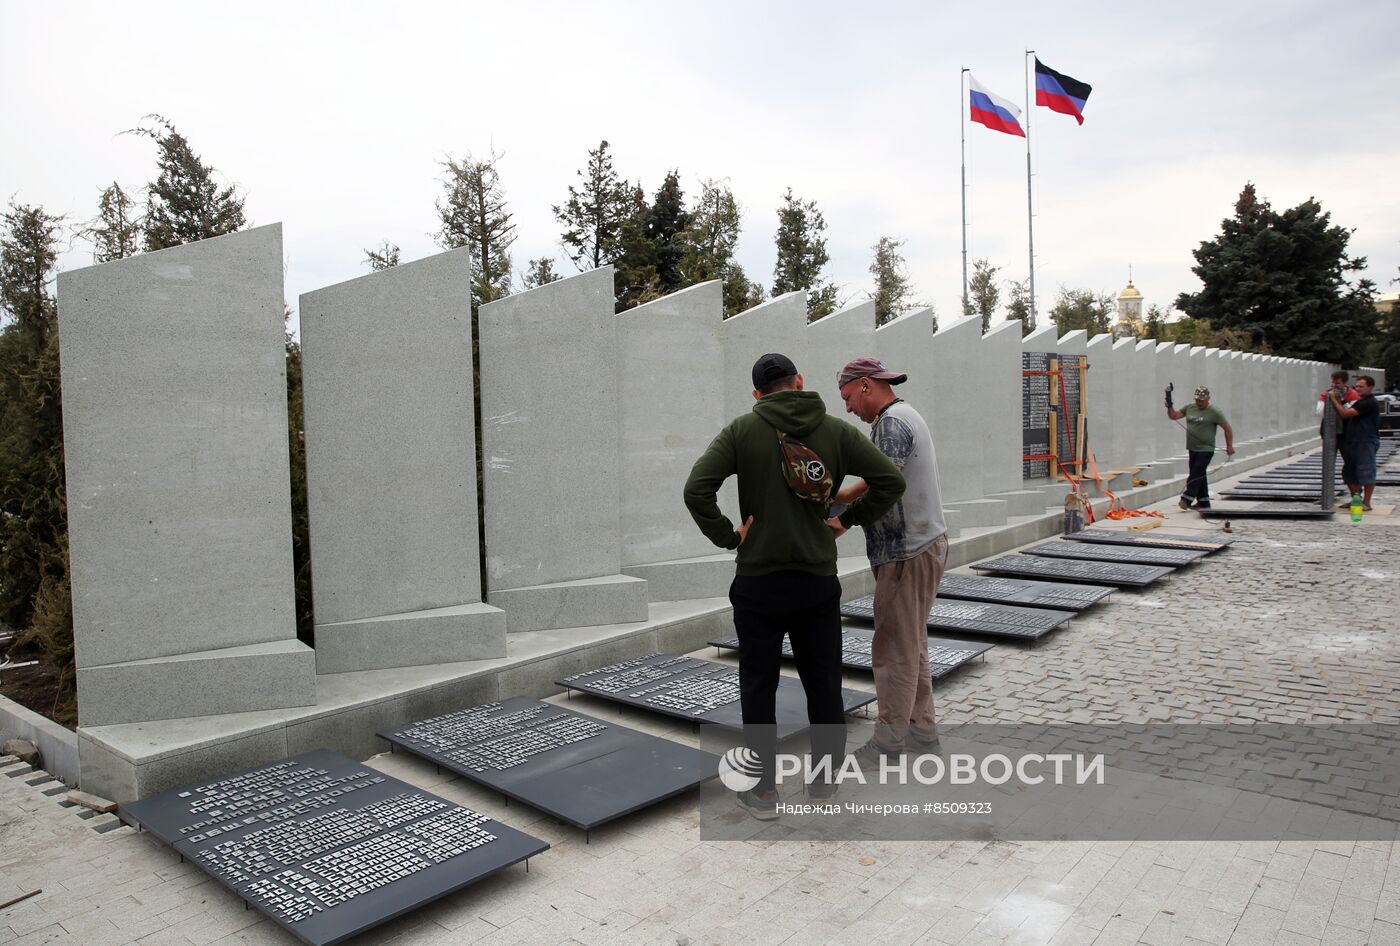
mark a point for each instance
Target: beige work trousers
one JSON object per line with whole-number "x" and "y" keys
{"x": 904, "y": 593}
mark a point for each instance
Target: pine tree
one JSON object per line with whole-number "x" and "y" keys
{"x": 1284, "y": 279}
{"x": 666, "y": 223}
{"x": 1018, "y": 306}
{"x": 116, "y": 231}
{"x": 802, "y": 255}
{"x": 34, "y": 593}
{"x": 635, "y": 277}
{"x": 983, "y": 294}
{"x": 739, "y": 292}
{"x": 595, "y": 212}
{"x": 892, "y": 286}
{"x": 383, "y": 256}
{"x": 184, "y": 204}
{"x": 539, "y": 272}
{"x": 473, "y": 214}
{"x": 710, "y": 241}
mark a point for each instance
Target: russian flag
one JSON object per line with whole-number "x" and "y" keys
{"x": 994, "y": 111}
{"x": 1059, "y": 93}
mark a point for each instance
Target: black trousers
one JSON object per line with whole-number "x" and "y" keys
{"x": 1196, "y": 486}
{"x": 806, "y": 608}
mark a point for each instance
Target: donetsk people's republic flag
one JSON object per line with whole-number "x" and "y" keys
{"x": 1059, "y": 93}
{"x": 994, "y": 111}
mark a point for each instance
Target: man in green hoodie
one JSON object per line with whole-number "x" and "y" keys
{"x": 785, "y": 570}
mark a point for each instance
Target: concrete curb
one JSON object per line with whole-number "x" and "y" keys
{"x": 57, "y": 745}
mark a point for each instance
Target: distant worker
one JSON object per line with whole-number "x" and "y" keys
{"x": 908, "y": 551}
{"x": 1202, "y": 419}
{"x": 1361, "y": 440}
{"x": 787, "y": 453}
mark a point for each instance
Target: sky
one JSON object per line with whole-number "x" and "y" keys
{"x": 334, "y": 118}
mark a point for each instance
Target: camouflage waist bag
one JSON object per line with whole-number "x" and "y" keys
{"x": 804, "y": 471}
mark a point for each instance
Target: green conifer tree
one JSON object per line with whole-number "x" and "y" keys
{"x": 595, "y": 212}
{"x": 183, "y": 204}
{"x": 473, "y": 214}
{"x": 116, "y": 231}
{"x": 802, "y": 255}
{"x": 892, "y": 285}
{"x": 34, "y": 595}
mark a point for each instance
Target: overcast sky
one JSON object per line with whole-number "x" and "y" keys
{"x": 332, "y": 118}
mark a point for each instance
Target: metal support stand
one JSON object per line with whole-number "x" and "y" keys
{"x": 1329, "y": 454}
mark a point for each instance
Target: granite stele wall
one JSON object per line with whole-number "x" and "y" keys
{"x": 669, "y": 407}
{"x": 391, "y": 470}
{"x": 188, "y": 665}
{"x": 551, "y": 459}
{"x": 179, "y": 513}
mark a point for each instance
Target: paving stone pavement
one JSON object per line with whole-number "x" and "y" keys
{"x": 1295, "y": 623}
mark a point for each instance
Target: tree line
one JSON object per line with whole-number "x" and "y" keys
{"x": 657, "y": 244}
{"x": 1280, "y": 282}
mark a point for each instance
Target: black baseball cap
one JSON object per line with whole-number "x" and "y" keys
{"x": 772, "y": 367}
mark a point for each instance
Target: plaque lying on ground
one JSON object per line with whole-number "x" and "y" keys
{"x": 1112, "y": 573}
{"x": 1266, "y": 512}
{"x": 1137, "y": 555}
{"x": 1035, "y": 594}
{"x": 944, "y": 656}
{"x": 1211, "y": 542}
{"x": 700, "y": 691}
{"x": 576, "y": 768}
{"x": 328, "y": 848}
{"x": 999, "y": 620}
{"x": 1276, "y": 495}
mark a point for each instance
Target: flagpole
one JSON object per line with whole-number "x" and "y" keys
{"x": 962, "y": 127}
{"x": 1030, "y": 209}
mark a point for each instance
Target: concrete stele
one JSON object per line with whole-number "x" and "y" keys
{"x": 775, "y": 326}
{"x": 1104, "y": 382}
{"x": 551, "y": 459}
{"x": 670, "y": 406}
{"x": 958, "y": 386}
{"x": 179, "y": 513}
{"x": 1148, "y": 410}
{"x": 391, "y": 470}
{"x": 830, "y": 343}
{"x": 906, "y": 344}
{"x": 1170, "y": 439}
{"x": 1235, "y": 391}
{"x": 1000, "y": 408}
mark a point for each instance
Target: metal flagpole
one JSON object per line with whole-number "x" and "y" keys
{"x": 962, "y": 127}
{"x": 1030, "y": 210}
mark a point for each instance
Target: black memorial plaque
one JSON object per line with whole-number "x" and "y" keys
{"x": 327, "y": 848}
{"x": 1153, "y": 540}
{"x": 1271, "y": 511}
{"x": 576, "y": 768}
{"x": 1035, "y": 413}
{"x": 1067, "y": 432}
{"x": 1089, "y": 551}
{"x": 1114, "y": 573}
{"x": 1276, "y": 495}
{"x": 1035, "y": 594}
{"x": 975, "y": 617}
{"x": 701, "y": 691}
{"x": 944, "y": 656}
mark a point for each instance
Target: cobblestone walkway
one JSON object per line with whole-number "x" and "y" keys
{"x": 1296, "y": 623}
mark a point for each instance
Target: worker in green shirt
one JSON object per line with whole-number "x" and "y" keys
{"x": 1202, "y": 419}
